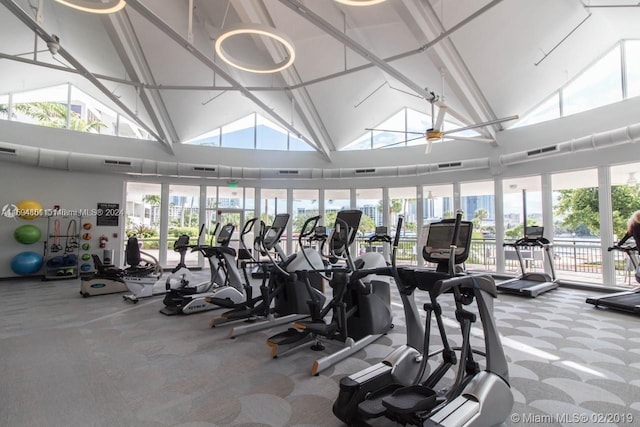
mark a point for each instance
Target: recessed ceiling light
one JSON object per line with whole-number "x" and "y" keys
{"x": 95, "y": 6}
{"x": 259, "y": 30}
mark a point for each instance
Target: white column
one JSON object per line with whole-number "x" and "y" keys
{"x": 164, "y": 223}
{"x": 498, "y": 190}
{"x": 606, "y": 224}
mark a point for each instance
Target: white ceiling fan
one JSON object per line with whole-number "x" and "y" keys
{"x": 435, "y": 132}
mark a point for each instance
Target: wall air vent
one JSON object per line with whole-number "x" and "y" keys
{"x": 4, "y": 150}
{"x": 288, "y": 172}
{"x": 117, "y": 163}
{"x": 449, "y": 165}
{"x": 543, "y": 150}
{"x": 364, "y": 171}
{"x": 203, "y": 169}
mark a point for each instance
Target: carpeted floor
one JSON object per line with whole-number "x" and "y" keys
{"x": 70, "y": 361}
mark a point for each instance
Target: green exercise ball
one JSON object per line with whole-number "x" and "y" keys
{"x": 27, "y": 234}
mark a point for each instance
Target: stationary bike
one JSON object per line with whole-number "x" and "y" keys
{"x": 225, "y": 283}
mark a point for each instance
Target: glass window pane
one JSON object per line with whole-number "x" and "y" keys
{"x": 369, "y": 201}
{"x": 143, "y": 217}
{"x": 305, "y": 206}
{"x": 599, "y": 85}
{"x": 391, "y": 133}
{"x": 91, "y": 115}
{"x": 239, "y": 134}
{"x": 520, "y": 194}
{"x": 250, "y": 201}
{"x": 438, "y": 202}
{"x": 477, "y": 201}
{"x": 576, "y": 240}
{"x": 632, "y": 58}
{"x": 44, "y": 107}
{"x": 274, "y": 201}
{"x": 297, "y": 144}
{"x": 334, "y": 202}
{"x": 362, "y": 143}
{"x": 184, "y": 218}
{"x": 625, "y": 200}
{"x": 402, "y": 201}
{"x": 4, "y": 107}
{"x": 209, "y": 139}
{"x": 548, "y": 110}
{"x": 230, "y": 197}
{"x": 130, "y": 129}
{"x": 417, "y": 122}
{"x": 270, "y": 136}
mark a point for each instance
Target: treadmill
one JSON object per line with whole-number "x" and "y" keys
{"x": 628, "y": 301}
{"x": 531, "y": 284}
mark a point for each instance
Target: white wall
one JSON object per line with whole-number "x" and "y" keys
{"x": 50, "y": 187}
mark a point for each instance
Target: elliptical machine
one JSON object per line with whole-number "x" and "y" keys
{"x": 283, "y": 294}
{"x": 400, "y": 387}
{"x": 360, "y": 307}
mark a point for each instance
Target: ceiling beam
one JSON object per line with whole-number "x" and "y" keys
{"x": 180, "y": 40}
{"x": 127, "y": 45}
{"x": 301, "y": 101}
{"x": 339, "y": 35}
{"x": 426, "y": 21}
{"x": 49, "y": 38}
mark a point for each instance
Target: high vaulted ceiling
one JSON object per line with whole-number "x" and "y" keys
{"x": 355, "y": 66}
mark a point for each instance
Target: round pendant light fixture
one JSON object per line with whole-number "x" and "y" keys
{"x": 257, "y": 30}
{"x": 360, "y": 2}
{"x": 95, "y": 6}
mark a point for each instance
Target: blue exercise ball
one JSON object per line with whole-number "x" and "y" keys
{"x": 26, "y": 263}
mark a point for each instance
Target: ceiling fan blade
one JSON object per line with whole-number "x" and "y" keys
{"x": 470, "y": 138}
{"x": 389, "y": 145}
{"x": 483, "y": 124}
{"x": 429, "y": 146}
{"x": 440, "y": 118}
{"x": 416, "y": 138}
{"x": 393, "y": 131}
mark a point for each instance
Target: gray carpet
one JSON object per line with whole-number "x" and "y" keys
{"x": 72, "y": 361}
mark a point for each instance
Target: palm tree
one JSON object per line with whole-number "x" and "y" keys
{"x": 54, "y": 114}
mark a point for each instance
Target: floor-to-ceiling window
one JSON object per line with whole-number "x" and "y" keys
{"x": 143, "y": 201}
{"x": 305, "y": 206}
{"x": 625, "y": 200}
{"x": 576, "y": 239}
{"x": 403, "y": 201}
{"x": 521, "y": 196}
{"x": 334, "y": 202}
{"x": 477, "y": 203}
{"x": 184, "y": 218}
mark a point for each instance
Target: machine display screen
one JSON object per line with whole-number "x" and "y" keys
{"x": 533, "y": 232}
{"x": 274, "y": 232}
{"x": 438, "y": 238}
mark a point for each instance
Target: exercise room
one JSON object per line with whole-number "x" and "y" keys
{"x": 319, "y": 213}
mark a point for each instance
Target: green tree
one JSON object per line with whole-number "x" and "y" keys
{"x": 367, "y": 224}
{"x": 395, "y": 207}
{"x": 580, "y": 209}
{"x": 518, "y": 231}
{"x": 479, "y": 216}
{"x": 54, "y": 114}
{"x": 299, "y": 220}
